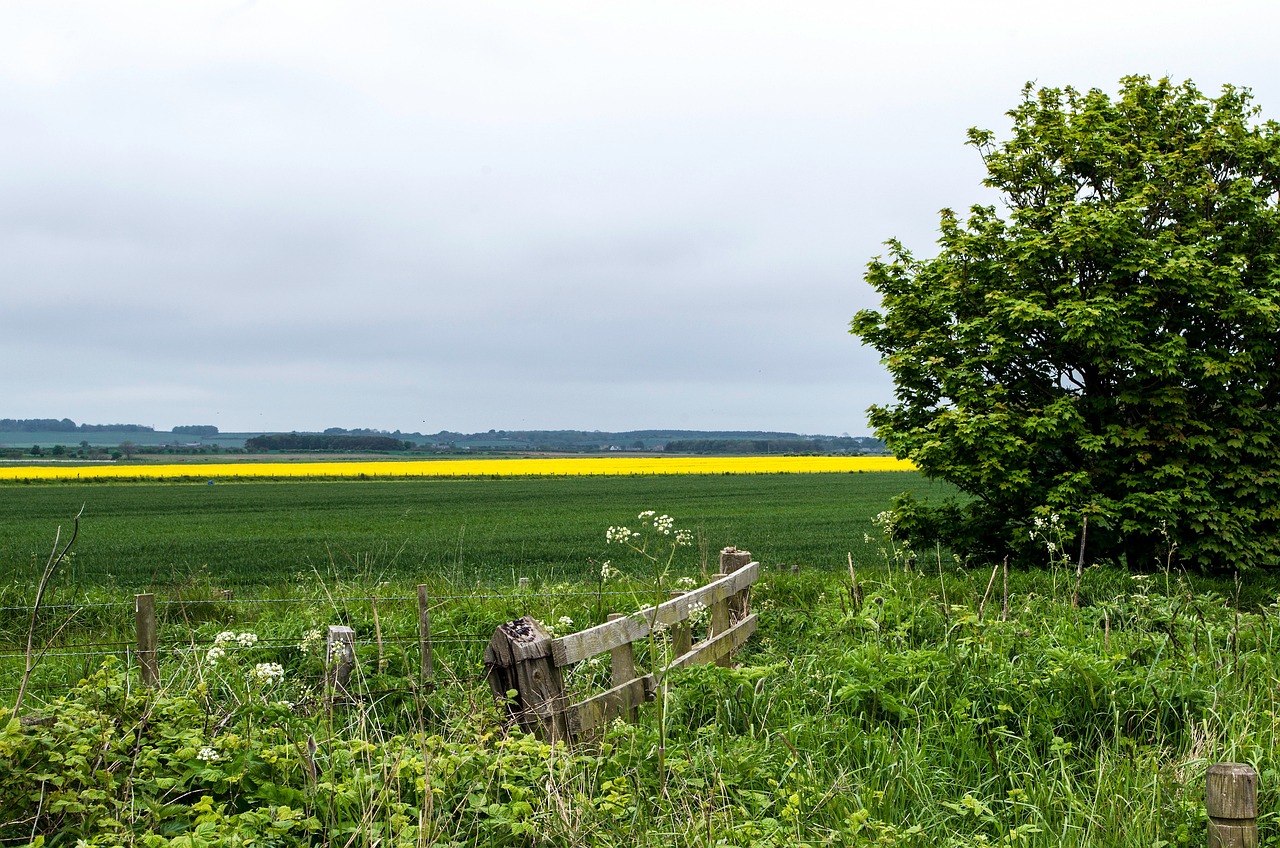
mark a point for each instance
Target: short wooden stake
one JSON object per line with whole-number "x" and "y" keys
{"x": 1231, "y": 800}
{"x": 622, "y": 661}
{"x": 340, "y": 648}
{"x": 424, "y": 636}
{"x": 148, "y": 639}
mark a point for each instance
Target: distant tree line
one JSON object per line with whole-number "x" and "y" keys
{"x": 841, "y": 444}
{"x": 322, "y": 442}
{"x": 65, "y": 425}
{"x": 196, "y": 430}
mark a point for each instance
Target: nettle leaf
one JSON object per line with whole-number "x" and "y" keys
{"x": 1105, "y": 342}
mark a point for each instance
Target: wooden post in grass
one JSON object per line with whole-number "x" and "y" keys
{"x": 148, "y": 639}
{"x": 732, "y": 559}
{"x": 622, "y": 662}
{"x": 518, "y": 660}
{"x": 681, "y": 634}
{"x": 1231, "y": 800}
{"x": 340, "y": 649}
{"x": 424, "y": 636}
{"x": 734, "y": 608}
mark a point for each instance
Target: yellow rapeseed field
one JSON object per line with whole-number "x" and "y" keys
{"x": 564, "y": 466}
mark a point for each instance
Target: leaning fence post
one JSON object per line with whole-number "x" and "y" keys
{"x": 148, "y": 638}
{"x": 340, "y": 650}
{"x": 424, "y": 635}
{"x": 1231, "y": 800}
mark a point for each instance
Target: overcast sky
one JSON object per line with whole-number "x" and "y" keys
{"x": 425, "y": 216}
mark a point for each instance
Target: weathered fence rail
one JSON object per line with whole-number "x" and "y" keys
{"x": 523, "y": 661}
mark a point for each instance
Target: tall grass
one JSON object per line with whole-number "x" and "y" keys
{"x": 882, "y": 720}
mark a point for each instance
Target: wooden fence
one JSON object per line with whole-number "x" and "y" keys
{"x": 523, "y": 661}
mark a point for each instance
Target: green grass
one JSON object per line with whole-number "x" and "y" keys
{"x": 891, "y": 721}
{"x": 255, "y": 533}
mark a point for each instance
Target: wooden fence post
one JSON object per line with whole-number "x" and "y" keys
{"x": 681, "y": 635}
{"x": 148, "y": 639}
{"x": 734, "y": 608}
{"x": 518, "y": 660}
{"x": 424, "y": 636}
{"x": 622, "y": 662}
{"x": 1231, "y": 799}
{"x": 340, "y": 649}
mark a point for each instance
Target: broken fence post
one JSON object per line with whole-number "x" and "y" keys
{"x": 518, "y": 660}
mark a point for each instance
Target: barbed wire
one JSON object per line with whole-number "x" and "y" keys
{"x": 515, "y": 595}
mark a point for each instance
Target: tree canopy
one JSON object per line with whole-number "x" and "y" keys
{"x": 1104, "y": 343}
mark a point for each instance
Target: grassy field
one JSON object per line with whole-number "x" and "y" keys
{"x": 249, "y": 533}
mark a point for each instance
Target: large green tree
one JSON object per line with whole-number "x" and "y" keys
{"x": 1103, "y": 342}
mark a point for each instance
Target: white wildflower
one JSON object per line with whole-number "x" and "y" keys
{"x": 207, "y": 754}
{"x": 607, "y": 570}
{"x": 310, "y": 641}
{"x": 620, "y": 535}
{"x": 684, "y": 538}
{"x": 268, "y": 673}
{"x": 686, "y": 583}
{"x": 564, "y": 621}
{"x": 226, "y": 637}
{"x": 697, "y": 612}
{"x": 648, "y": 513}
{"x": 216, "y": 653}
{"x": 246, "y": 639}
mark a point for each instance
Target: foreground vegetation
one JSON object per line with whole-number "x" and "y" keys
{"x": 883, "y": 715}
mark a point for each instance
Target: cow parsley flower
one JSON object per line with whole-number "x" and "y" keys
{"x": 619, "y": 535}
{"x": 310, "y": 643}
{"x": 207, "y": 754}
{"x": 268, "y": 673}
